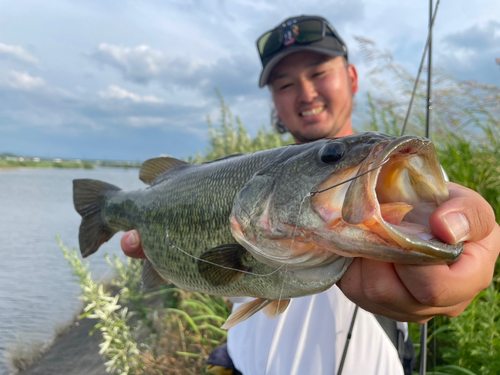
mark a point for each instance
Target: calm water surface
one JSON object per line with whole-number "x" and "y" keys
{"x": 37, "y": 291}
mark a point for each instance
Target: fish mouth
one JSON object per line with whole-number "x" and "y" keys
{"x": 396, "y": 190}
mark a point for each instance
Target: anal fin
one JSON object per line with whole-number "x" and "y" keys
{"x": 150, "y": 277}
{"x": 271, "y": 308}
{"x": 245, "y": 311}
{"x": 276, "y": 308}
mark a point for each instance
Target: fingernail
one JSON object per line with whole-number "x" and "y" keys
{"x": 132, "y": 239}
{"x": 458, "y": 225}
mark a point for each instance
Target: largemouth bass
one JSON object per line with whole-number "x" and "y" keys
{"x": 276, "y": 224}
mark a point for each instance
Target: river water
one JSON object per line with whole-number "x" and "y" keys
{"x": 37, "y": 291}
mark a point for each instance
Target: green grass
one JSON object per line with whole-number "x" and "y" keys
{"x": 180, "y": 329}
{"x": 118, "y": 344}
{"x": 177, "y": 330}
{"x": 43, "y": 164}
{"x": 465, "y": 129}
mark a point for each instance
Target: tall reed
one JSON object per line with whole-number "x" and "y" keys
{"x": 181, "y": 330}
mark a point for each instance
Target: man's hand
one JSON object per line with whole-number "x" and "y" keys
{"x": 131, "y": 245}
{"x": 417, "y": 293}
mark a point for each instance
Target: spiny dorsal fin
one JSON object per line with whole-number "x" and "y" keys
{"x": 245, "y": 311}
{"x": 152, "y": 168}
{"x": 221, "y": 265}
{"x": 150, "y": 277}
{"x": 223, "y": 158}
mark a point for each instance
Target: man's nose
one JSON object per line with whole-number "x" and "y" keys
{"x": 307, "y": 91}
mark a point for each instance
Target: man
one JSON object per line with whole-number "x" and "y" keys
{"x": 305, "y": 65}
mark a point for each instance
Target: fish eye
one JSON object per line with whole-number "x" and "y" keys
{"x": 332, "y": 152}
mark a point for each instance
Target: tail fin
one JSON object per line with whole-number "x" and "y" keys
{"x": 88, "y": 197}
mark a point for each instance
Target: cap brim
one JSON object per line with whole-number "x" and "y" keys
{"x": 266, "y": 72}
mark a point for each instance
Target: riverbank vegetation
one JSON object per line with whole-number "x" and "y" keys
{"x": 171, "y": 331}
{"x": 20, "y": 162}
{"x": 8, "y": 160}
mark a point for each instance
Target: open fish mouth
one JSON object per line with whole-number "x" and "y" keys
{"x": 388, "y": 209}
{"x": 367, "y": 195}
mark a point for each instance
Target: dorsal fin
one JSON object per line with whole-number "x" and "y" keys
{"x": 152, "y": 168}
{"x": 224, "y": 158}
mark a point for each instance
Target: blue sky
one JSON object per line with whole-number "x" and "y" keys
{"x": 131, "y": 80}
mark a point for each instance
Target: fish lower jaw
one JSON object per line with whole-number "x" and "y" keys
{"x": 412, "y": 243}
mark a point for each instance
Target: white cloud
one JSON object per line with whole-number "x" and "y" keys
{"x": 139, "y": 63}
{"x": 116, "y": 92}
{"x": 22, "y": 81}
{"x": 142, "y": 64}
{"x": 17, "y": 52}
{"x": 146, "y": 121}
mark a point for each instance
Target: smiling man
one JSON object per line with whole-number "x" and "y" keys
{"x": 313, "y": 95}
{"x": 305, "y": 65}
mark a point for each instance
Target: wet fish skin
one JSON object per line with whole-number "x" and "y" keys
{"x": 243, "y": 212}
{"x": 192, "y": 204}
{"x": 366, "y": 217}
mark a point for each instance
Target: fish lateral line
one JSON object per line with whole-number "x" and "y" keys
{"x": 313, "y": 193}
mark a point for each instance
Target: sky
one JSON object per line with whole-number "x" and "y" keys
{"x": 124, "y": 80}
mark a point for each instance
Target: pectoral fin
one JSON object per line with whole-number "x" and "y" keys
{"x": 223, "y": 264}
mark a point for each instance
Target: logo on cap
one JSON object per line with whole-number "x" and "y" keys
{"x": 290, "y": 34}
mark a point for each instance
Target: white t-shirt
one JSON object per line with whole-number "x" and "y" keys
{"x": 309, "y": 338}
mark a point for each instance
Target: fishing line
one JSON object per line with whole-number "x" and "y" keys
{"x": 276, "y": 320}
{"x": 313, "y": 193}
{"x": 290, "y": 251}
{"x": 283, "y": 284}
{"x": 423, "y": 327}
{"x": 218, "y": 265}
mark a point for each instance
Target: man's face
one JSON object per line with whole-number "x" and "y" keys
{"x": 313, "y": 94}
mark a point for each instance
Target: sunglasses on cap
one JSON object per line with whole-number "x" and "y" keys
{"x": 304, "y": 30}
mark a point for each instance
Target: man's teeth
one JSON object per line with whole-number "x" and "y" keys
{"x": 312, "y": 112}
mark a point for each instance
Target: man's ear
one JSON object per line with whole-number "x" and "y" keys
{"x": 352, "y": 73}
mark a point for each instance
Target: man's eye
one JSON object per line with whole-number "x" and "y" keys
{"x": 317, "y": 74}
{"x": 285, "y": 86}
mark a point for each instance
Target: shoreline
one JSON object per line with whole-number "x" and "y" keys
{"x": 73, "y": 352}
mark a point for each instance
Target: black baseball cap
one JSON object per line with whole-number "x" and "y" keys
{"x": 301, "y": 33}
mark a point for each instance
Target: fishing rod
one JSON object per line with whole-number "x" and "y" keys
{"x": 428, "y": 46}
{"x": 424, "y": 327}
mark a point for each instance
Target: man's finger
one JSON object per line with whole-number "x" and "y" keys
{"x": 131, "y": 245}
{"x": 466, "y": 216}
{"x": 375, "y": 287}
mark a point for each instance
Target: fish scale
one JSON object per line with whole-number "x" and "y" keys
{"x": 196, "y": 222}
{"x": 247, "y": 225}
